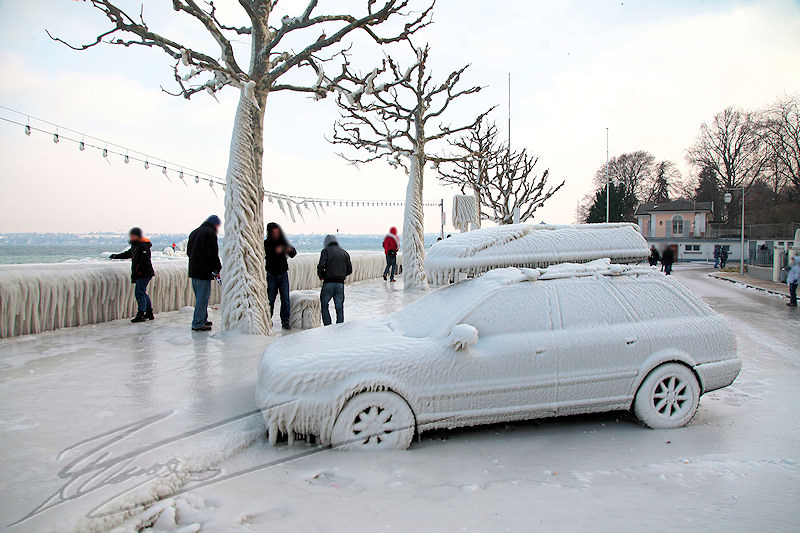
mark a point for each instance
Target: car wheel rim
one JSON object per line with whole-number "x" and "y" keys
{"x": 374, "y": 426}
{"x": 672, "y": 397}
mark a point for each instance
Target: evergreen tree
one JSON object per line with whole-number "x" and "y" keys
{"x": 622, "y": 204}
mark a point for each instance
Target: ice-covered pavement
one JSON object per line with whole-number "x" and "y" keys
{"x": 734, "y": 468}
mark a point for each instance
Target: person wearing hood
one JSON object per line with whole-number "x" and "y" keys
{"x": 793, "y": 278}
{"x": 276, "y": 250}
{"x": 654, "y": 255}
{"x": 390, "y": 246}
{"x": 333, "y": 268}
{"x": 204, "y": 266}
{"x": 141, "y": 272}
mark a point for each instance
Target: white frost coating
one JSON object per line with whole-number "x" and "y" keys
{"x": 465, "y": 211}
{"x": 566, "y": 339}
{"x": 413, "y": 245}
{"x": 244, "y": 280}
{"x": 305, "y": 310}
{"x": 36, "y": 298}
{"x": 463, "y": 336}
{"x": 526, "y": 245}
{"x": 249, "y": 92}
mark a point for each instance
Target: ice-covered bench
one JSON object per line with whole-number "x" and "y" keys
{"x": 305, "y": 309}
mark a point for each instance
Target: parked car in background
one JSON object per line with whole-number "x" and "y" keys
{"x": 513, "y": 344}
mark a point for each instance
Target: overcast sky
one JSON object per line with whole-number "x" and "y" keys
{"x": 650, "y": 71}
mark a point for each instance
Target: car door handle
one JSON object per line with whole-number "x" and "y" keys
{"x": 630, "y": 340}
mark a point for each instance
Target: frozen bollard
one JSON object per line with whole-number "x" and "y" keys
{"x": 306, "y": 311}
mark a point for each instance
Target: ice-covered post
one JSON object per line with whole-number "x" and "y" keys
{"x": 400, "y": 120}
{"x": 304, "y": 44}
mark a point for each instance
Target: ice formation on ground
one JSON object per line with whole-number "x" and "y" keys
{"x": 305, "y": 310}
{"x": 526, "y": 245}
{"x": 570, "y": 338}
{"x": 43, "y": 297}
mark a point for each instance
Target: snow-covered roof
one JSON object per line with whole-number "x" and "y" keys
{"x": 532, "y": 246}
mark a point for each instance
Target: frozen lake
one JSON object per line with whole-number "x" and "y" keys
{"x": 67, "y": 397}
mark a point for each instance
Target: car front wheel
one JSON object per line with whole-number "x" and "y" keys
{"x": 668, "y": 397}
{"x": 374, "y": 421}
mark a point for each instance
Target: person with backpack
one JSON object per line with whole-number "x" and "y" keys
{"x": 333, "y": 268}
{"x": 141, "y": 272}
{"x": 204, "y": 266}
{"x": 391, "y": 244}
{"x": 276, "y": 250}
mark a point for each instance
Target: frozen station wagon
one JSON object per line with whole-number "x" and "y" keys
{"x": 513, "y": 344}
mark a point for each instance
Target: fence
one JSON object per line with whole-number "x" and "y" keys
{"x": 716, "y": 230}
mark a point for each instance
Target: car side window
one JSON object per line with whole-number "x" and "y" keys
{"x": 587, "y": 302}
{"x": 651, "y": 300}
{"x": 512, "y": 310}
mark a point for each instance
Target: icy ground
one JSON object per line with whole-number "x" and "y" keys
{"x": 734, "y": 468}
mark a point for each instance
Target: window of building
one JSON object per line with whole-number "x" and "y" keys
{"x": 692, "y": 248}
{"x": 677, "y": 225}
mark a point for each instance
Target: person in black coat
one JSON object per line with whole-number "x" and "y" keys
{"x": 204, "y": 266}
{"x": 334, "y": 266}
{"x": 667, "y": 259}
{"x": 141, "y": 272}
{"x": 276, "y": 251}
{"x": 654, "y": 256}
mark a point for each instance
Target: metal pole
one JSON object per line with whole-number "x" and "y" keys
{"x": 608, "y": 187}
{"x": 741, "y": 260}
{"x": 509, "y": 113}
{"x": 441, "y": 204}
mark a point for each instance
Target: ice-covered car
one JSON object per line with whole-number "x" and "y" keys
{"x": 513, "y": 344}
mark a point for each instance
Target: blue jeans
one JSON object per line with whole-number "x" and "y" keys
{"x": 335, "y": 291}
{"x": 140, "y": 292}
{"x": 279, "y": 283}
{"x": 391, "y": 261}
{"x": 202, "y": 292}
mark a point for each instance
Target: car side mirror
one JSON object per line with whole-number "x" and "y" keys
{"x": 462, "y": 336}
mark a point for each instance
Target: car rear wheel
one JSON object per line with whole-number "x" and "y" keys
{"x": 374, "y": 421}
{"x": 668, "y": 397}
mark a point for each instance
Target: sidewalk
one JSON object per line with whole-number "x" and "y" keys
{"x": 780, "y": 289}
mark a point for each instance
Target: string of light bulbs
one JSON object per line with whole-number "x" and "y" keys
{"x": 107, "y": 149}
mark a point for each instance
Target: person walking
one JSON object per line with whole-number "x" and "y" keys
{"x": 334, "y": 266}
{"x": 390, "y": 246}
{"x": 667, "y": 259}
{"x": 793, "y": 278}
{"x": 723, "y": 257}
{"x": 716, "y": 255}
{"x": 276, "y": 250}
{"x": 204, "y": 266}
{"x": 654, "y": 255}
{"x": 141, "y": 272}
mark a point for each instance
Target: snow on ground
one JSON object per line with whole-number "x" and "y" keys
{"x": 734, "y": 467}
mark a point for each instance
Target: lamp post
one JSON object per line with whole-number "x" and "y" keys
{"x": 728, "y": 198}
{"x": 608, "y": 187}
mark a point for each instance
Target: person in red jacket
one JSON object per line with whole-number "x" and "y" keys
{"x": 391, "y": 243}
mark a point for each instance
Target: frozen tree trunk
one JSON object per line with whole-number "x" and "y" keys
{"x": 244, "y": 283}
{"x": 414, "y": 229}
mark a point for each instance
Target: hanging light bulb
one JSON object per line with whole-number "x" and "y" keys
{"x": 55, "y": 138}
{"x": 211, "y": 184}
{"x": 127, "y": 159}
{"x": 180, "y": 174}
{"x": 164, "y": 170}
{"x": 27, "y": 130}
{"x": 105, "y": 152}
{"x": 197, "y": 179}
{"x": 81, "y": 146}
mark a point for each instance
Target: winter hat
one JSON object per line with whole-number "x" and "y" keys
{"x": 214, "y": 220}
{"x": 137, "y": 232}
{"x": 393, "y": 230}
{"x": 330, "y": 239}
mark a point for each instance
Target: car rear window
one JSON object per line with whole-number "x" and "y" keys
{"x": 651, "y": 299}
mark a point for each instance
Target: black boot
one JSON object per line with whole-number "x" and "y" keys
{"x": 149, "y": 314}
{"x": 139, "y": 317}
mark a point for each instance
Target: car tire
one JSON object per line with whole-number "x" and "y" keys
{"x": 374, "y": 421}
{"x": 668, "y": 397}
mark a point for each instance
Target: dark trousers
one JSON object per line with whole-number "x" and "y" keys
{"x": 793, "y": 294}
{"x": 279, "y": 283}
{"x": 668, "y": 269}
{"x": 336, "y": 291}
{"x": 391, "y": 262}
{"x": 202, "y": 292}
{"x": 140, "y": 292}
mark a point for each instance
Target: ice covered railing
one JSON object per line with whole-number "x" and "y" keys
{"x": 532, "y": 246}
{"x": 43, "y": 297}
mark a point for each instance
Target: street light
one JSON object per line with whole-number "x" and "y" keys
{"x": 728, "y": 198}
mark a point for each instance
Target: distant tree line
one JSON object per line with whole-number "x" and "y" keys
{"x": 755, "y": 151}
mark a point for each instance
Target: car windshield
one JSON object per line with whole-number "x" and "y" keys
{"x": 437, "y": 312}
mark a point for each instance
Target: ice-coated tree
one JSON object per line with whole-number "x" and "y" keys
{"x": 502, "y": 179}
{"x": 303, "y": 45}
{"x": 401, "y": 121}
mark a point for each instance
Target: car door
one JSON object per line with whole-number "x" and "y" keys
{"x": 510, "y": 373}
{"x": 598, "y": 345}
